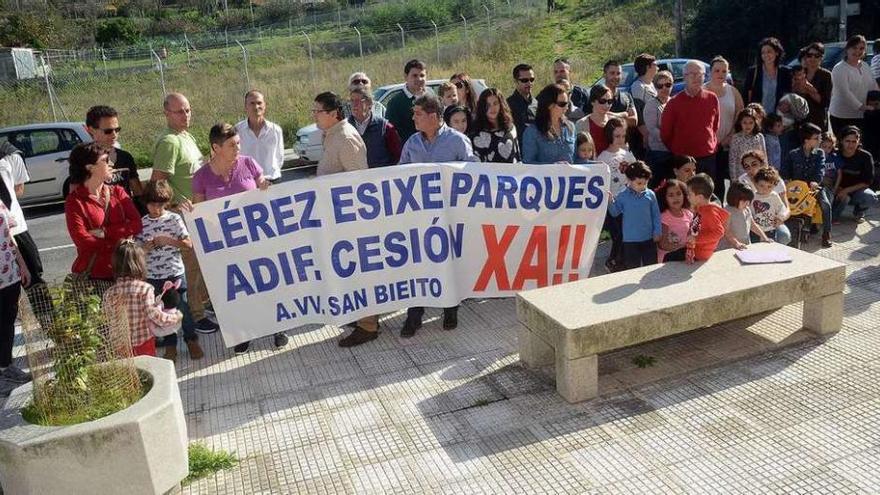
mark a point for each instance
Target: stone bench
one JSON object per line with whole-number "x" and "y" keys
{"x": 571, "y": 324}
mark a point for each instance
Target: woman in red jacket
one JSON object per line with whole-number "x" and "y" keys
{"x": 98, "y": 215}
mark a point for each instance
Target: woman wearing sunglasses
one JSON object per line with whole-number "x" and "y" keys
{"x": 814, "y": 84}
{"x": 599, "y": 104}
{"x": 465, "y": 89}
{"x": 551, "y": 139}
{"x": 658, "y": 156}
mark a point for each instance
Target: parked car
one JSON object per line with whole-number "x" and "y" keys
{"x": 675, "y": 65}
{"x": 45, "y": 148}
{"x": 834, "y": 53}
{"x": 309, "y": 139}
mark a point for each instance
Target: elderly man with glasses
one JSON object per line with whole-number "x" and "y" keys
{"x": 361, "y": 80}
{"x": 690, "y": 121}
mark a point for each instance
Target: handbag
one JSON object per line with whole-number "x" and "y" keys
{"x": 74, "y": 278}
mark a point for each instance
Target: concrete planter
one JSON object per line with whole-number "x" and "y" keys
{"x": 139, "y": 450}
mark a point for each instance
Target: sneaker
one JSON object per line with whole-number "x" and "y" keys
{"x": 206, "y": 326}
{"x": 195, "y": 350}
{"x": 171, "y": 353}
{"x": 15, "y": 375}
{"x": 450, "y": 318}
{"x": 860, "y": 219}
{"x": 410, "y": 326}
{"x": 826, "y": 240}
{"x": 280, "y": 340}
{"x": 242, "y": 348}
{"x": 357, "y": 337}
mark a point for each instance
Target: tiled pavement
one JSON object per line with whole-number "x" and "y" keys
{"x": 751, "y": 406}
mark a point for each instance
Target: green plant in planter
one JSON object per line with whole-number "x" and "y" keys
{"x": 83, "y": 380}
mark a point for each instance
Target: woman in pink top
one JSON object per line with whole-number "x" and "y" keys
{"x": 675, "y": 219}
{"x": 228, "y": 171}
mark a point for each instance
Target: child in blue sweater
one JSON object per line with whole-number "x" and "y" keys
{"x": 641, "y": 217}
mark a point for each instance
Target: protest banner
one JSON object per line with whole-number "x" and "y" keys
{"x": 340, "y": 247}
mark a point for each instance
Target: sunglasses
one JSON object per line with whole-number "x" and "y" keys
{"x": 117, "y": 130}
{"x": 459, "y": 84}
{"x": 604, "y": 101}
{"x": 562, "y": 104}
{"x": 663, "y": 86}
{"x": 525, "y": 80}
{"x": 360, "y": 81}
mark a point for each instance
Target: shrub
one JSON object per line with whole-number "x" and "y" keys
{"x": 118, "y": 31}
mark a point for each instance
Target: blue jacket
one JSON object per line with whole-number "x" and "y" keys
{"x": 799, "y": 166}
{"x": 641, "y": 214}
{"x": 538, "y": 149}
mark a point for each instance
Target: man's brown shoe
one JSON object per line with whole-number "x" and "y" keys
{"x": 195, "y": 350}
{"x": 357, "y": 337}
{"x": 171, "y": 353}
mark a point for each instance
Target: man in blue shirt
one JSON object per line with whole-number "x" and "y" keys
{"x": 433, "y": 142}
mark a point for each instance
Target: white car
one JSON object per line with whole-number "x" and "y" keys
{"x": 309, "y": 139}
{"x": 45, "y": 148}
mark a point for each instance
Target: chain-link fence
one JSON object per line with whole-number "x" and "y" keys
{"x": 289, "y": 66}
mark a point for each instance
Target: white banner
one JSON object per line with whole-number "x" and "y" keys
{"x": 341, "y": 247}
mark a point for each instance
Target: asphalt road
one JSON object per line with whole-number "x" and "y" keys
{"x": 47, "y": 227}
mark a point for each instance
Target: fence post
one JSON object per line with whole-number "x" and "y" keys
{"x": 104, "y": 61}
{"x": 247, "y": 76}
{"x": 311, "y": 60}
{"x": 402, "y": 42}
{"x": 338, "y": 17}
{"x": 226, "y": 40}
{"x": 360, "y": 48}
{"x": 467, "y": 38}
{"x": 488, "y": 16}
{"x": 290, "y": 27}
{"x": 161, "y": 72}
{"x": 436, "y": 40}
{"x": 49, "y": 89}
{"x": 186, "y": 43}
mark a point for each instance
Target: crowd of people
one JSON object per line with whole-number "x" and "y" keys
{"x": 690, "y": 173}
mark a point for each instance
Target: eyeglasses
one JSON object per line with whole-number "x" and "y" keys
{"x": 459, "y": 84}
{"x": 525, "y": 80}
{"x": 812, "y": 55}
{"x": 562, "y": 104}
{"x": 605, "y": 101}
{"x": 117, "y": 130}
{"x": 360, "y": 81}
{"x": 663, "y": 86}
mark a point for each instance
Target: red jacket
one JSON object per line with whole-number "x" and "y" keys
{"x": 708, "y": 227}
{"x": 85, "y": 213}
{"x": 689, "y": 124}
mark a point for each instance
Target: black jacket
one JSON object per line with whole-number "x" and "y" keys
{"x": 754, "y": 86}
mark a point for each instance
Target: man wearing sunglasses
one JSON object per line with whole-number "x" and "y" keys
{"x": 522, "y": 104}
{"x": 102, "y": 123}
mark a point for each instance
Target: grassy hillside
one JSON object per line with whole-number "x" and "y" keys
{"x": 588, "y": 34}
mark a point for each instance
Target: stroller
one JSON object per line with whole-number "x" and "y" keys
{"x": 805, "y": 211}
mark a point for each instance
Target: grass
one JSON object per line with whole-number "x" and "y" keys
{"x": 204, "y": 461}
{"x": 643, "y": 361}
{"x": 587, "y": 34}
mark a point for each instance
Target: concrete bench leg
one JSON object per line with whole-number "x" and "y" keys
{"x": 577, "y": 379}
{"x": 824, "y": 315}
{"x": 533, "y": 352}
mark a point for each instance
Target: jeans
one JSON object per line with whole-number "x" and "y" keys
{"x": 861, "y": 201}
{"x": 614, "y": 226}
{"x": 824, "y": 198}
{"x": 636, "y": 254}
{"x": 781, "y": 235}
{"x": 709, "y": 165}
{"x": 8, "y": 313}
{"x": 189, "y": 326}
{"x": 659, "y": 162}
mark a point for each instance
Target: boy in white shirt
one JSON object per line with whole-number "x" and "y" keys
{"x": 768, "y": 209}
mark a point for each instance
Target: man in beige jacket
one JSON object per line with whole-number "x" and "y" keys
{"x": 344, "y": 151}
